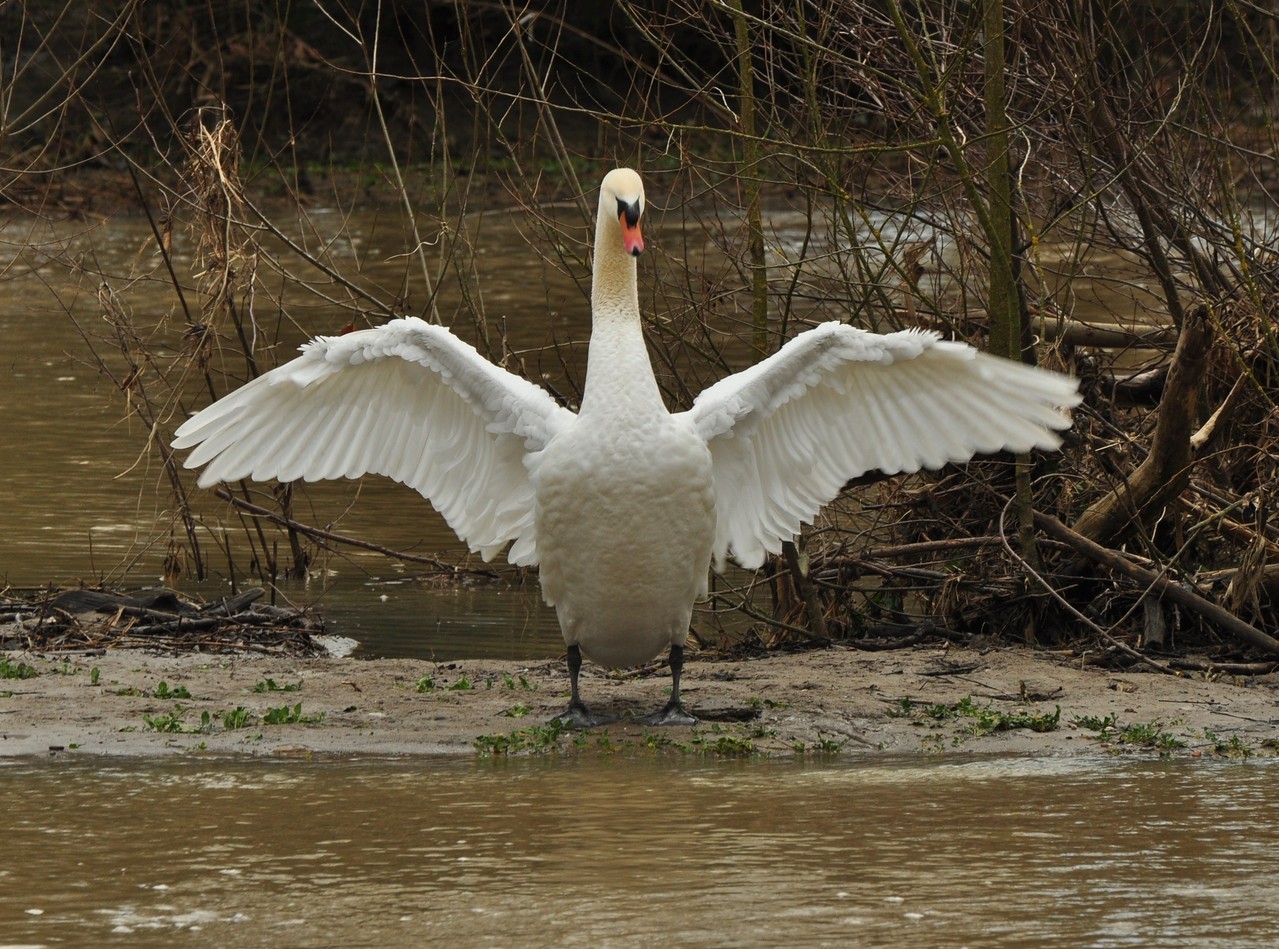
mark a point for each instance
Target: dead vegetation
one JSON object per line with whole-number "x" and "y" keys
{"x": 92, "y": 620}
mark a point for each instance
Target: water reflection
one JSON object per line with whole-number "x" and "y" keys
{"x": 614, "y": 852}
{"x": 407, "y": 619}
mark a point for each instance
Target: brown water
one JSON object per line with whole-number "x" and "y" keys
{"x": 82, "y": 501}
{"x": 600, "y": 852}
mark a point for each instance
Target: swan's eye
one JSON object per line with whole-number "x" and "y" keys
{"x": 630, "y": 210}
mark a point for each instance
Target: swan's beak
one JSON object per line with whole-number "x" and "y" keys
{"x": 628, "y": 215}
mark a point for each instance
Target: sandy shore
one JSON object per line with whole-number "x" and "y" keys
{"x": 927, "y": 700}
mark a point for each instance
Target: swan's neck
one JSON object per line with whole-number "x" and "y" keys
{"x": 619, "y": 377}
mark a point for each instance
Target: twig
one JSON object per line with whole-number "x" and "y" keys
{"x": 319, "y": 534}
{"x": 745, "y": 607}
{"x": 1165, "y": 471}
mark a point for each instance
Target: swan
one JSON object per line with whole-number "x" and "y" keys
{"x": 624, "y": 505}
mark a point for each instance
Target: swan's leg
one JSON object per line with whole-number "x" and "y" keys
{"x": 673, "y": 713}
{"x": 577, "y": 715}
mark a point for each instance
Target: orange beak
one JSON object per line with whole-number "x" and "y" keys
{"x": 632, "y": 239}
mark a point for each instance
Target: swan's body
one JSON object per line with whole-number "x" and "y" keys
{"x": 624, "y": 504}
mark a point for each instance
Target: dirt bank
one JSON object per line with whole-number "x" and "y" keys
{"x": 926, "y": 700}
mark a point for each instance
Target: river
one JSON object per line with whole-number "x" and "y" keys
{"x": 613, "y": 851}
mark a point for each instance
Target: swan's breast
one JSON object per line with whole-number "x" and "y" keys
{"x": 625, "y": 519}
{"x": 632, "y": 481}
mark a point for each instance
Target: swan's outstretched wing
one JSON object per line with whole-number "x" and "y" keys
{"x": 835, "y": 402}
{"x": 408, "y": 400}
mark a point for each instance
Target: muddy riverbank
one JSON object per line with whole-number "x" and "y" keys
{"x": 835, "y": 701}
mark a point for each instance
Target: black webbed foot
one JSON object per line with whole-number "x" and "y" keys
{"x": 673, "y": 713}
{"x": 577, "y": 715}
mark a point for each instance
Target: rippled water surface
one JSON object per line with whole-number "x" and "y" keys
{"x": 600, "y": 852}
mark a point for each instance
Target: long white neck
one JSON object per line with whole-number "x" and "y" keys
{"x": 619, "y": 377}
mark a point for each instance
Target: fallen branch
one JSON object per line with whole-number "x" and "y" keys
{"x": 1115, "y": 644}
{"x": 182, "y": 624}
{"x": 1109, "y": 336}
{"x": 1226, "y": 668}
{"x": 928, "y": 547}
{"x": 1159, "y": 584}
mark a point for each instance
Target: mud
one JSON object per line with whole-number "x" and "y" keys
{"x": 925, "y": 700}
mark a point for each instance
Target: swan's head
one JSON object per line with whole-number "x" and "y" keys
{"x": 622, "y": 198}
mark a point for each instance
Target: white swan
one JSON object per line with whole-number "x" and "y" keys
{"x": 624, "y": 505}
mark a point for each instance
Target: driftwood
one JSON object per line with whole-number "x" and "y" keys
{"x": 1225, "y": 668}
{"x": 1159, "y": 584}
{"x": 1165, "y": 472}
{"x": 1138, "y": 388}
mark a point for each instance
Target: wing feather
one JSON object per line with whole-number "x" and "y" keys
{"x": 835, "y": 402}
{"x": 408, "y": 400}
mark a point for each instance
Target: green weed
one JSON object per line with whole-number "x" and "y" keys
{"x": 823, "y": 746}
{"x": 1235, "y": 747}
{"x": 979, "y": 720}
{"x": 270, "y": 685}
{"x": 759, "y": 704}
{"x": 289, "y": 715}
{"x": 1104, "y": 727}
{"x": 905, "y": 709}
{"x": 1142, "y": 734}
{"x": 163, "y": 691}
{"x": 732, "y": 746}
{"x": 19, "y": 670}
{"x": 725, "y": 744}
{"x": 654, "y": 740}
{"x": 535, "y": 738}
{"x": 989, "y": 720}
{"x": 463, "y": 684}
{"x": 168, "y": 723}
